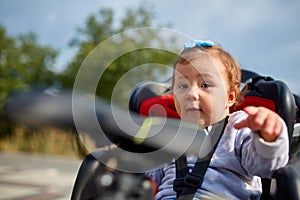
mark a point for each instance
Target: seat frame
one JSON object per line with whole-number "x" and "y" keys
{"x": 278, "y": 97}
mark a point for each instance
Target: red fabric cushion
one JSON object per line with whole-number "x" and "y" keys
{"x": 254, "y": 101}
{"x": 159, "y": 106}
{"x": 163, "y": 106}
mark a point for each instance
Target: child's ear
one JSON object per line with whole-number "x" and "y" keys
{"x": 231, "y": 98}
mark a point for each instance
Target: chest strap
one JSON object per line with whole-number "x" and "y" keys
{"x": 187, "y": 183}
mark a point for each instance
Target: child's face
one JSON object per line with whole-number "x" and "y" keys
{"x": 201, "y": 91}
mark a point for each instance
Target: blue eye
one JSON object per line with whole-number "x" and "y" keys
{"x": 182, "y": 86}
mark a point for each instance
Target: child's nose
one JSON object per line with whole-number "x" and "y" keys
{"x": 193, "y": 93}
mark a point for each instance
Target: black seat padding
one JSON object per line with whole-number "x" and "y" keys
{"x": 280, "y": 94}
{"x": 286, "y": 181}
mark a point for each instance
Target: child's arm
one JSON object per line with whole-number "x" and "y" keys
{"x": 263, "y": 120}
{"x": 267, "y": 151}
{"x": 156, "y": 175}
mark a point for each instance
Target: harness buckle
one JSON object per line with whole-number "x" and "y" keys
{"x": 178, "y": 184}
{"x": 193, "y": 180}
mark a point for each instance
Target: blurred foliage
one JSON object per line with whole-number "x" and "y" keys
{"x": 23, "y": 62}
{"x": 46, "y": 140}
{"x": 100, "y": 27}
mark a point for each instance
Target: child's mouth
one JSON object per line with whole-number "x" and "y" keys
{"x": 194, "y": 110}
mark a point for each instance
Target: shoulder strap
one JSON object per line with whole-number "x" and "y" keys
{"x": 187, "y": 183}
{"x": 181, "y": 171}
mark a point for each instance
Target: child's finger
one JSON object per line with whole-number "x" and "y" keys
{"x": 269, "y": 125}
{"x": 260, "y": 118}
{"x": 242, "y": 124}
{"x": 251, "y": 110}
{"x": 272, "y": 128}
{"x": 255, "y": 120}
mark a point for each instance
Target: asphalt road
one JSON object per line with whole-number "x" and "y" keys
{"x": 36, "y": 177}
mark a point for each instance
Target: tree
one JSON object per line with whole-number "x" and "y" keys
{"x": 101, "y": 26}
{"x": 23, "y": 62}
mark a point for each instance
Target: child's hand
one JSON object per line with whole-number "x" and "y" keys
{"x": 261, "y": 119}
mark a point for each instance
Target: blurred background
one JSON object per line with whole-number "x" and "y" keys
{"x": 43, "y": 44}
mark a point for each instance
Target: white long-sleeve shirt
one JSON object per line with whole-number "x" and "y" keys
{"x": 240, "y": 159}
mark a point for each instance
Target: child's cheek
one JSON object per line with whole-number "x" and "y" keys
{"x": 177, "y": 105}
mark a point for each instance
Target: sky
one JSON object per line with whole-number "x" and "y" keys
{"x": 262, "y": 34}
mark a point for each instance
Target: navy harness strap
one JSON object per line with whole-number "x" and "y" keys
{"x": 187, "y": 183}
{"x": 181, "y": 171}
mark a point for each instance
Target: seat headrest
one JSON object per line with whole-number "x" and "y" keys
{"x": 273, "y": 94}
{"x": 156, "y": 99}
{"x": 160, "y": 106}
{"x": 153, "y": 99}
